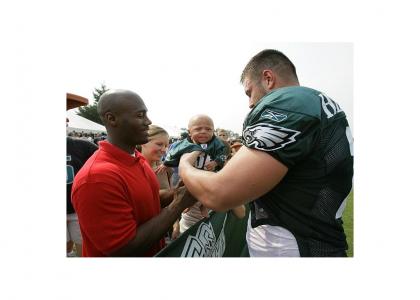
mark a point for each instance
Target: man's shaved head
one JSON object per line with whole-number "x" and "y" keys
{"x": 115, "y": 101}
{"x": 125, "y": 117}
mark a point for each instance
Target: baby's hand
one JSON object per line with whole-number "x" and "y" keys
{"x": 203, "y": 210}
{"x": 210, "y": 166}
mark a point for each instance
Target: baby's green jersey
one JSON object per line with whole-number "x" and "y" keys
{"x": 212, "y": 150}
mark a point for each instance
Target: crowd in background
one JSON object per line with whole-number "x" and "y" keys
{"x": 89, "y": 136}
{"x": 233, "y": 142}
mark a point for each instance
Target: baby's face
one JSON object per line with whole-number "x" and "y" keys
{"x": 201, "y": 131}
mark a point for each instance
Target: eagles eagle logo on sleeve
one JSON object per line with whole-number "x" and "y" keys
{"x": 268, "y": 137}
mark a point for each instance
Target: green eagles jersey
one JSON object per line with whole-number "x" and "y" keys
{"x": 309, "y": 133}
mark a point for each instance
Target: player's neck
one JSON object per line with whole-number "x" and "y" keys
{"x": 127, "y": 148}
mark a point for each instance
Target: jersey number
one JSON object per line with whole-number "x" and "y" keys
{"x": 330, "y": 107}
{"x": 202, "y": 159}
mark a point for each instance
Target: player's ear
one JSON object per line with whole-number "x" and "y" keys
{"x": 110, "y": 119}
{"x": 268, "y": 78}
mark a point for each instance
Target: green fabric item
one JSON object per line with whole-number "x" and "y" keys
{"x": 174, "y": 155}
{"x": 219, "y": 235}
{"x": 215, "y": 149}
{"x": 285, "y": 123}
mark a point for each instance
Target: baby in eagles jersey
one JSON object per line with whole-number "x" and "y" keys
{"x": 201, "y": 138}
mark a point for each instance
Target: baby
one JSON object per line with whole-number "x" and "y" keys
{"x": 200, "y": 138}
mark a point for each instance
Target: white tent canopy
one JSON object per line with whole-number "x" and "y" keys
{"x": 78, "y": 123}
{"x": 172, "y": 130}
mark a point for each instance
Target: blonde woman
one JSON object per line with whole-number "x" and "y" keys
{"x": 153, "y": 151}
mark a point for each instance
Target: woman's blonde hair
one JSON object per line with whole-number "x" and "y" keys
{"x": 155, "y": 130}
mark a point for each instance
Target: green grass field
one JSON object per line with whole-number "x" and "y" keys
{"x": 348, "y": 223}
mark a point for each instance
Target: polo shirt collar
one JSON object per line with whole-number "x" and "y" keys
{"x": 120, "y": 154}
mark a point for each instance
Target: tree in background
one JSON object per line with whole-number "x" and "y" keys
{"x": 90, "y": 112}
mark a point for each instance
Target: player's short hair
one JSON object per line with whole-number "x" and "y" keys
{"x": 269, "y": 59}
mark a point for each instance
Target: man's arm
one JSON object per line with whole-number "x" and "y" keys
{"x": 166, "y": 196}
{"x": 154, "y": 229}
{"x": 248, "y": 175}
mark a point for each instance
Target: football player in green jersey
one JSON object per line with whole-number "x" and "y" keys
{"x": 295, "y": 170}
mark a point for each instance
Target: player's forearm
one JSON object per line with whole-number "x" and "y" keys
{"x": 204, "y": 187}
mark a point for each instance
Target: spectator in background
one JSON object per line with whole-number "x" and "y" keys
{"x": 222, "y": 134}
{"x": 78, "y": 152}
{"x": 101, "y": 137}
{"x": 236, "y": 144}
{"x": 153, "y": 151}
{"x": 175, "y": 176}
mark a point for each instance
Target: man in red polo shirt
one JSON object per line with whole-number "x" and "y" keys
{"x": 116, "y": 193}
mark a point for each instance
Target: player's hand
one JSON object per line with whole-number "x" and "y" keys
{"x": 189, "y": 158}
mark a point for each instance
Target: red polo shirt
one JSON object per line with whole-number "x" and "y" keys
{"x": 113, "y": 194}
